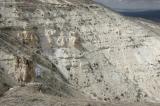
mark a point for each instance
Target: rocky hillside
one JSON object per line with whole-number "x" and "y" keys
{"x": 102, "y": 55}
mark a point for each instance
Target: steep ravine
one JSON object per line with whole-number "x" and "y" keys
{"x": 103, "y": 55}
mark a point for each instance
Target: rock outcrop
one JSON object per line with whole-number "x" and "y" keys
{"x": 25, "y": 69}
{"x": 106, "y": 56}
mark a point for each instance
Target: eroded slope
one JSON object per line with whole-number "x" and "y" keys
{"x": 101, "y": 53}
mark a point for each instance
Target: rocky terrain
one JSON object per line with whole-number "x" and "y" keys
{"x": 88, "y": 53}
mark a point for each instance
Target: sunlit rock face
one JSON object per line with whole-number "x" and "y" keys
{"x": 104, "y": 55}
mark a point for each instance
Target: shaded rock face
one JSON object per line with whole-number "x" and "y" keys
{"x": 6, "y": 66}
{"x": 4, "y": 86}
{"x": 25, "y": 69}
{"x": 104, "y": 55}
{"x": 28, "y": 38}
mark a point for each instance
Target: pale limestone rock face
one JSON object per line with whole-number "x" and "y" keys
{"x": 61, "y": 41}
{"x": 109, "y": 57}
{"x": 74, "y": 40}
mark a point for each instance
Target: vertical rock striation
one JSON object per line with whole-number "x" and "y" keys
{"x": 25, "y": 69}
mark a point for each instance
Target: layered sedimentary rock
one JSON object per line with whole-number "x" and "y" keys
{"x": 106, "y": 56}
